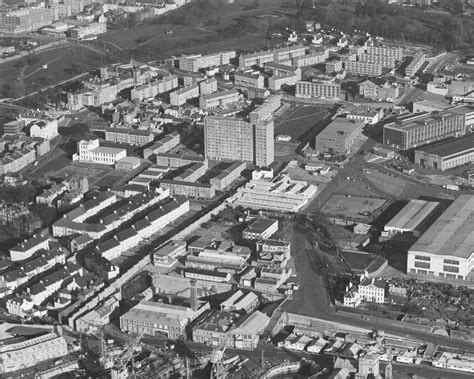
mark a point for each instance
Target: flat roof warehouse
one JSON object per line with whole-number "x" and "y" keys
{"x": 451, "y": 147}
{"x": 452, "y": 233}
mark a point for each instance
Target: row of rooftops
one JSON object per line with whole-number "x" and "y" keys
{"x": 413, "y": 121}
{"x": 11, "y": 157}
{"x": 229, "y": 170}
{"x": 165, "y": 206}
{"x": 451, "y": 146}
{"x": 109, "y": 214}
{"x": 41, "y": 258}
{"x": 60, "y": 275}
{"x": 130, "y": 131}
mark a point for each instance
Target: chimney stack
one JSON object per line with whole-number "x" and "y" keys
{"x": 193, "y": 299}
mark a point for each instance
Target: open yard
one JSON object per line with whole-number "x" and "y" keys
{"x": 352, "y": 206}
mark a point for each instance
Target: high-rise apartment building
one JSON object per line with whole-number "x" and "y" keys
{"x": 234, "y": 139}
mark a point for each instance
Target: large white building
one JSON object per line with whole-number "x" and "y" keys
{"x": 92, "y": 152}
{"x": 372, "y": 290}
{"x": 89, "y": 30}
{"x": 46, "y": 128}
{"x": 446, "y": 249}
{"x": 23, "y": 354}
{"x": 282, "y": 194}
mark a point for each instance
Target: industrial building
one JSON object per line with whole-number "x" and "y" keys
{"x": 339, "y": 136}
{"x": 447, "y": 154}
{"x": 422, "y": 128}
{"x": 413, "y": 218}
{"x": 445, "y": 250}
{"x": 235, "y": 139}
{"x": 240, "y": 302}
{"x": 158, "y": 319}
{"x": 19, "y": 353}
{"x": 282, "y": 194}
{"x": 261, "y": 228}
{"x": 221, "y": 328}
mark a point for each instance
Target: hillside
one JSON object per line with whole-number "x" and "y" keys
{"x": 432, "y": 26}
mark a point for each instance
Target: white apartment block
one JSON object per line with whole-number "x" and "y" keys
{"x": 323, "y": 90}
{"x": 283, "y": 54}
{"x": 89, "y": 30}
{"x": 155, "y": 88}
{"x": 385, "y": 51}
{"x": 363, "y": 68}
{"x": 221, "y": 99}
{"x": 197, "y": 62}
{"x": 180, "y": 96}
{"x": 415, "y": 64}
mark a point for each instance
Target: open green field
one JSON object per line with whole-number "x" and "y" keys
{"x": 28, "y": 74}
{"x": 299, "y": 120}
{"x": 196, "y": 28}
{"x": 183, "y": 31}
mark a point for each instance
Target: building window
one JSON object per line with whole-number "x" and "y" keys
{"x": 422, "y": 258}
{"x": 450, "y": 269}
{"x": 422, "y": 264}
{"x": 451, "y": 262}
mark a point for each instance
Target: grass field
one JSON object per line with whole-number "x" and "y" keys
{"x": 61, "y": 63}
{"x": 152, "y": 40}
{"x": 149, "y": 40}
{"x": 299, "y": 120}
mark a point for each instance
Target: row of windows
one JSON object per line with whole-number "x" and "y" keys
{"x": 422, "y": 264}
{"x": 422, "y": 258}
{"x": 450, "y": 269}
{"x": 451, "y": 262}
{"x": 441, "y": 274}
